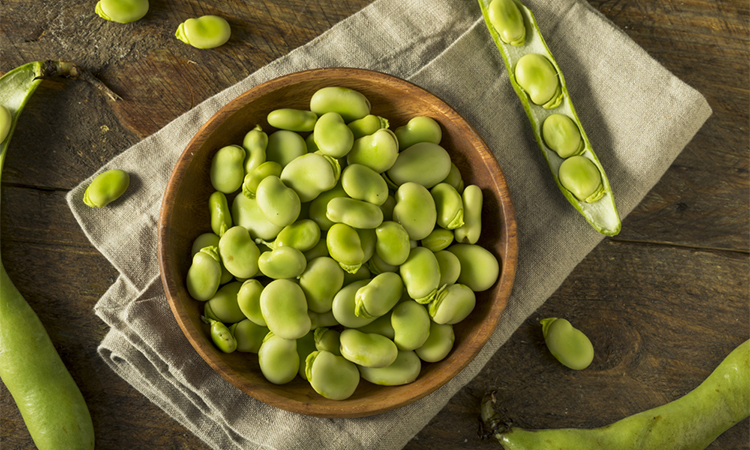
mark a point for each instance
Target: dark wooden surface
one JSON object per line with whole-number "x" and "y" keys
{"x": 663, "y": 302}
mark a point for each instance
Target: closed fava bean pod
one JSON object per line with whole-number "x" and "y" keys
{"x": 278, "y": 359}
{"x": 404, "y": 370}
{"x": 540, "y": 85}
{"x": 204, "y": 32}
{"x": 567, "y": 344}
{"x": 106, "y": 188}
{"x": 331, "y": 376}
{"x": 6, "y": 119}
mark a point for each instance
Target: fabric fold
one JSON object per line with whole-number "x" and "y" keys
{"x": 637, "y": 115}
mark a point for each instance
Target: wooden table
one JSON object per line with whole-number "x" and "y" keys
{"x": 663, "y": 302}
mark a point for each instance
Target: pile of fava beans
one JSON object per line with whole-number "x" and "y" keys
{"x": 348, "y": 250}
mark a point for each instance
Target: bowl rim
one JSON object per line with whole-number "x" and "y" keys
{"x": 332, "y": 408}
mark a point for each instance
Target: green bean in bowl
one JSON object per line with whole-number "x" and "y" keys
{"x": 345, "y": 250}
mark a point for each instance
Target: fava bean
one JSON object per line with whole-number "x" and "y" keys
{"x": 538, "y": 78}
{"x": 367, "y": 125}
{"x": 249, "y": 336}
{"x": 228, "y": 168}
{"x": 363, "y": 273}
{"x": 305, "y": 346}
{"x": 367, "y": 239}
{"x": 382, "y": 325}
{"x": 418, "y": 129}
{"x": 378, "y": 266}
{"x": 411, "y": 325}
{"x": 362, "y": 183}
{"x": 204, "y": 274}
{"x": 470, "y": 231}
{"x": 479, "y": 268}
{"x": 454, "y": 179}
{"x": 561, "y": 134}
{"x": 284, "y": 146}
{"x": 319, "y": 206}
{"x": 452, "y": 304}
{"x": 379, "y": 295}
{"x": 284, "y": 308}
{"x": 569, "y": 345}
{"x": 344, "y": 305}
{"x": 238, "y": 252}
{"x": 320, "y": 249}
{"x": 438, "y": 344}
{"x": 393, "y": 244}
{"x": 220, "y": 335}
{"x": 328, "y": 340}
{"x": 345, "y": 246}
{"x": 438, "y": 239}
{"x": 507, "y": 21}
{"x": 425, "y": 163}
{"x": 278, "y": 359}
{"x": 311, "y": 174}
{"x": 348, "y": 103}
{"x": 303, "y": 235}
{"x": 415, "y": 210}
{"x": 404, "y": 369}
{"x": 204, "y": 240}
{"x": 377, "y": 151}
{"x": 331, "y": 376}
{"x": 282, "y": 263}
{"x": 221, "y": 217}
{"x": 224, "y": 305}
{"x": 318, "y": 320}
{"x": 248, "y": 299}
{"x": 121, "y": 11}
{"x": 292, "y": 119}
{"x": 449, "y": 205}
{"x": 246, "y": 213}
{"x": 421, "y": 275}
{"x": 367, "y": 349}
{"x": 450, "y": 267}
{"x": 581, "y": 177}
{"x": 255, "y": 176}
{"x": 332, "y": 136}
{"x": 107, "y": 187}
{"x": 355, "y": 213}
{"x": 255, "y": 143}
{"x": 204, "y": 32}
{"x": 278, "y": 202}
{"x": 387, "y": 208}
{"x": 320, "y": 282}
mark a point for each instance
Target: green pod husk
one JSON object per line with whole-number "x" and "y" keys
{"x": 50, "y": 402}
{"x": 601, "y": 214}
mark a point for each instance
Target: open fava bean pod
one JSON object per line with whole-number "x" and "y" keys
{"x": 539, "y": 83}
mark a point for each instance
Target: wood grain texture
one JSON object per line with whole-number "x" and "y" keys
{"x": 667, "y": 298}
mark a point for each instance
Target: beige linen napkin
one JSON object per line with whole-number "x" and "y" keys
{"x": 637, "y": 115}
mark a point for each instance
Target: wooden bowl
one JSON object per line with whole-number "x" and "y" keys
{"x": 184, "y": 216}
